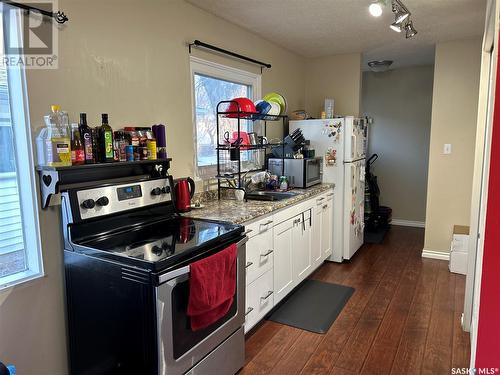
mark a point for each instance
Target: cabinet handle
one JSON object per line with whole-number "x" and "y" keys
{"x": 269, "y": 294}
{"x": 267, "y": 223}
{"x": 325, "y": 206}
{"x": 248, "y": 264}
{"x": 269, "y": 252}
{"x": 249, "y": 310}
{"x": 247, "y": 232}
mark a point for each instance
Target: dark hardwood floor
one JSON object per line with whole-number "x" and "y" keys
{"x": 403, "y": 318}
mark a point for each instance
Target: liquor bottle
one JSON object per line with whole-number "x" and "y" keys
{"x": 77, "y": 153}
{"x": 106, "y": 140}
{"x": 86, "y": 135}
{"x": 95, "y": 144}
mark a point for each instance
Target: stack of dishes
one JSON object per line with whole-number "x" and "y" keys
{"x": 272, "y": 105}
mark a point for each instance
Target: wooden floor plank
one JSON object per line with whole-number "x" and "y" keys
{"x": 295, "y": 359}
{"x": 461, "y": 348}
{"x": 276, "y": 348}
{"x": 409, "y": 356}
{"x": 403, "y": 318}
{"x": 439, "y": 344}
{"x": 381, "y": 355}
{"x": 259, "y": 337}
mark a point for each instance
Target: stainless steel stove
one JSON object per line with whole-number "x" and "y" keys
{"x": 127, "y": 256}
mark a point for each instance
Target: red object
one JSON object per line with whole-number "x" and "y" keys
{"x": 243, "y": 105}
{"x": 488, "y": 342}
{"x": 211, "y": 287}
{"x": 184, "y": 191}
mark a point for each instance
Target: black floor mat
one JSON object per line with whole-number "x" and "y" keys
{"x": 314, "y": 306}
{"x": 375, "y": 236}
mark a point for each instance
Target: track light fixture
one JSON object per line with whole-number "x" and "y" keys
{"x": 402, "y": 19}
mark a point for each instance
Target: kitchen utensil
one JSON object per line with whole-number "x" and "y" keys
{"x": 243, "y": 107}
{"x": 239, "y": 194}
{"x": 184, "y": 191}
{"x": 253, "y": 138}
{"x": 244, "y": 139}
{"x": 278, "y": 99}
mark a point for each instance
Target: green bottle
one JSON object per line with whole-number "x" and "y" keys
{"x": 106, "y": 140}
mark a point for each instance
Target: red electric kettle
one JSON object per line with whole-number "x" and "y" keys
{"x": 184, "y": 191}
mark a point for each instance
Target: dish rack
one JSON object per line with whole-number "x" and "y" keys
{"x": 234, "y": 159}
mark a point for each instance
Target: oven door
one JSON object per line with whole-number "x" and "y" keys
{"x": 179, "y": 348}
{"x": 313, "y": 171}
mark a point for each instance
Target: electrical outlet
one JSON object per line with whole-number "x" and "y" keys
{"x": 447, "y": 149}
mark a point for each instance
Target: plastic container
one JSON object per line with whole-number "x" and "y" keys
{"x": 57, "y": 140}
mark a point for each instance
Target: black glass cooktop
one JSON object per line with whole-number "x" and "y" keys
{"x": 160, "y": 244}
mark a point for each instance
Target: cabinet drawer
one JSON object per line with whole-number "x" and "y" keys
{"x": 260, "y": 226}
{"x": 259, "y": 255}
{"x": 259, "y": 299}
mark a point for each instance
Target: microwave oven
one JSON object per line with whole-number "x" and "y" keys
{"x": 301, "y": 173}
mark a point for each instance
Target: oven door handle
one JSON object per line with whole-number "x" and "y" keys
{"x": 185, "y": 270}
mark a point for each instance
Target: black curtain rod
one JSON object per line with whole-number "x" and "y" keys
{"x": 58, "y": 16}
{"x": 198, "y": 43}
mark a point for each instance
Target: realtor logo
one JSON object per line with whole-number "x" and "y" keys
{"x": 31, "y": 38}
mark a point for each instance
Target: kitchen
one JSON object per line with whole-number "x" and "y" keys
{"x": 131, "y": 61}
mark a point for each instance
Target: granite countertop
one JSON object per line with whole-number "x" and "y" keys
{"x": 239, "y": 212}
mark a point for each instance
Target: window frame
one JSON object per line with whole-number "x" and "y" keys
{"x": 223, "y": 72}
{"x": 25, "y": 173}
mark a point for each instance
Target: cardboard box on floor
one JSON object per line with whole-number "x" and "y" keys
{"x": 459, "y": 249}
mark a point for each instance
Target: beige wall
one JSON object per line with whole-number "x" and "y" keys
{"x": 400, "y": 102}
{"x": 454, "y": 118}
{"x": 128, "y": 58}
{"x": 337, "y": 77}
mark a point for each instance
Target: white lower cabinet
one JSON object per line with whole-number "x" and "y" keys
{"x": 301, "y": 247}
{"x": 260, "y": 255}
{"x": 259, "y": 299}
{"x": 283, "y": 259}
{"x": 282, "y": 250}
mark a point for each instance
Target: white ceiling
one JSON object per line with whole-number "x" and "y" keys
{"x": 315, "y": 28}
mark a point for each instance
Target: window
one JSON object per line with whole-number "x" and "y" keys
{"x": 20, "y": 256}
{"x": 213, "y": 83}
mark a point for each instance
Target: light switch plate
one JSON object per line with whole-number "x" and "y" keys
{"x": 447, "y": 149}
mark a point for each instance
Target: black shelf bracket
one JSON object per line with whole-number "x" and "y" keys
{"x": 54, "y": 180}
{"x": 211, "y": 47}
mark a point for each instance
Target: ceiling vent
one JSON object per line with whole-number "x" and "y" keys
{"x": 378, "y": 66}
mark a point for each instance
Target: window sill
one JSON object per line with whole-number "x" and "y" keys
{"x": 19, "y": 278}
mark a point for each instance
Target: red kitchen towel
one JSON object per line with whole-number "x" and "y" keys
{"x": 212, "y": 285}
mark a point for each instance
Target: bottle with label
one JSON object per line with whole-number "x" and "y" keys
{"x": 106, "y": 140}
{"x": 86, "y": 136}
{"x": 77, "y": 152}
{"x": 95, "y": 144}
{"x": 57, "y": 138}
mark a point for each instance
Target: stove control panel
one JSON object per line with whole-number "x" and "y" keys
{"x": 118, "y": 198}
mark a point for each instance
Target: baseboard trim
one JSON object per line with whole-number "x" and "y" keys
{"x": 408, "y": 223}
{"x": 441, "y": 255}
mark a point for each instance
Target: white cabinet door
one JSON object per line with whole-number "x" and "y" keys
{"x": 283, "y": 257}
{"x": 301, "y": 238}
{"x": 259, "y": 299}
{"x": 316, "y": 246}
{"x": 259, "y": 255}
{"x": 327, "y": 228}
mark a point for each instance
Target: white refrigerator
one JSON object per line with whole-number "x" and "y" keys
{"x": 342, "y": 142}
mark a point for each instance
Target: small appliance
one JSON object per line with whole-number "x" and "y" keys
{"x": 184, "y": 191}
{"x": 301, "y": 173}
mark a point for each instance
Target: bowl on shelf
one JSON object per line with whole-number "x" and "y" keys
{"x": 241, "y": 105}
{"x": 262, "y": 108}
